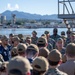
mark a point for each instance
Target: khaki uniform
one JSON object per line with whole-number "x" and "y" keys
{"x": 55, "y": 71}
{"x": 68, "y": 67}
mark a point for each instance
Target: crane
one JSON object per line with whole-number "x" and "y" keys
{"x": 67, "y": 12}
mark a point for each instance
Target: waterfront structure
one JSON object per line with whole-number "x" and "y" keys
{"x": 3, "y": 19}
{"x": 13, "y": 19}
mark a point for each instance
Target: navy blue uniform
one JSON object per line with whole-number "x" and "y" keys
{"x": 5, "y": 52}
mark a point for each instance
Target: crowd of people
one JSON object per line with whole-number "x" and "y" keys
{"x": 44, "y": 55}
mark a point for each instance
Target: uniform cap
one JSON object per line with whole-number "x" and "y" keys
{"x": 54, "y": 55}
{"x": 70, "y": 49}
{"x": 19, "y": 63}
{"x": 34, "y": 32}
{"x": 33, "y": 47}
{"x": 44, "y": 52}
{"x": 28, "y": 38}
{"x": 59, "y": 39}
{"x": 14, "y": 51}
{"x": 20, "y": 36}
{"x": 62, "y": 33}
{"x": 46, "y": 32}
{"x": 42, "y": 40}
{"x": 21, "y": 47}
{"x": 72, "y": 33}
{"x": 4, "y": 38}
{"x": 12, "y": 35}
{"x": 43, "y": 35}
{"x": 40, "y": 64}
{"x": 16, "y": 38}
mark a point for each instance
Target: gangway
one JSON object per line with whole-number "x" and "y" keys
{"x": 66, "y": 11}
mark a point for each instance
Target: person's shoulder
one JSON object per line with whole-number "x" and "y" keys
{"x": 58, "y": 35}
{"x": 61, "y": 67}
{"x": 62, "y": 73}
{"x": 52, "y": 39}
{"x": 1, "y": 46}
{"x": 55, "y": 72}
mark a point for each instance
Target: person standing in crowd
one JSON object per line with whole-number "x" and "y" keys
{"x": 11, "y": 39}
{"x": 55, "y": 35}
{"x": 28, "y": 40}
{"x": 72, "y": 37}
{"x": 22, "y": 49}
{"x": 14, "y": 52}
{"x": 40, "y": 66}
{"x": 5, "y": 48}
{"x": 32, "y": 52}
{"x": 16, "y": 41}
{"x": 68, "y": 37}
{"x": 18, "y": 66}
{"x": 21, "y": 37}
{"x": 42, "y": 42}
{"x": 62, "y": 33}
{"x": 34, "y": 37}
{"x": 69, "y": 66}
{"x": 54, "y": 59}
{"x": 60, "y": 46}
{"x": 49, "y": 40}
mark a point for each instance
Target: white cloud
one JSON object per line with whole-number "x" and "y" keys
{"x": 15, "y": 7}
{"x": 9, "y": 6}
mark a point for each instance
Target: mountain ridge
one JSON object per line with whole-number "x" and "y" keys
{"x": 25, "y": 15}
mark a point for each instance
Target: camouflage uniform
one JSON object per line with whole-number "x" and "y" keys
{"x": 67, "y": 41}
{"x": 49, "y": 47}
{"x": 34, "y": 40}
{"x": 52, "y": 42}
{"x": 54, "y": 71}
{"x": 62, "y": 51}
{"x": 55, "y": 37}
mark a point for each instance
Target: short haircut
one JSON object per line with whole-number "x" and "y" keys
{"x": 70, "y": 50}
{"x": 30, "y": 51}
{"x": 52, "y": 63}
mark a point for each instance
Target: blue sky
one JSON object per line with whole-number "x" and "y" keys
{"x": 42, "y": 7}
